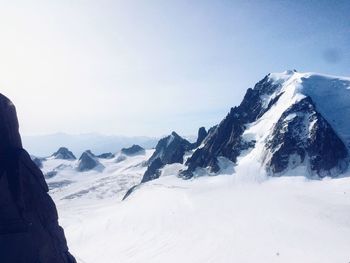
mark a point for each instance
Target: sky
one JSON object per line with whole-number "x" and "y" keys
{"x": 150, "y": 67}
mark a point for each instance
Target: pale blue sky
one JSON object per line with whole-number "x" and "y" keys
{"x": 150, "y": 67}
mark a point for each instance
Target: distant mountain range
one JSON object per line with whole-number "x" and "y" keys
{"x": 45, "y": 145}
{"x": 290, "y": 123}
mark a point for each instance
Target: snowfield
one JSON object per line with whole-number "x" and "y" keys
{"x": 227, "y": 218}
{"x": 241, "y": 215}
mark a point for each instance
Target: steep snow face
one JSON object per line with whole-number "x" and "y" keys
{"x": 331, "y": 95}
{"x": 293, "y": 88}
{"x": 303, "y": 136}
{"x": 243, "y": 136}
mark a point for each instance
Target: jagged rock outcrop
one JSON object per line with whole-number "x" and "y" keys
{"x": 202, "y": 133}
{"x": 29, "y": 230}
{"x": 54, "y": 172}
{"x": 135, "y": 149}
{"x": 153, "y": 171}
{"x": 225, "y": 139}
{"x": 106, "y": 155}
{"x": 300, "y": 132}
{"x": 88, "y": 161}
{"x": 64, "y": 154}
{"x": 170, "y": 149}
{"x": 307, "y": 134}
{"x": 38, "y": 161}
{"x": 50, "y": 174}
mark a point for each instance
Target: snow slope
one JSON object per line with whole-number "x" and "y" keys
{"x": 234, "y": 217}
{"x": 120, "y": 174}
{"x": 242, "y": 215}
{"x": 214, "y": 219}
{"x": 331, "y": 96}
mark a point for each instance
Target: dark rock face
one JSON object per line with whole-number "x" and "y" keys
{"x": 152, "y": 171}
{"x": 170, "y": 149}
{"x": 135, "y": 149}
{"x": 130, "y": 191}
{"x": 29, "y": 230}
{"x": 64, "y": 153}
{"x": 88, "y": 161}
{"x": 225, "y": 139}
{"x": 55, "y": 171}
{"x": 301, "y": 131}
{"x": 202, "y": 133}
{"x": 106, "y": 156}
{"x": 38, "y": 161}
{"x": 50, "y": 174}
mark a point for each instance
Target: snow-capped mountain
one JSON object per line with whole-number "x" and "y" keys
{"x": 134, "y": 149}
{"x": 169, "y": 150}
{"x": 288, "y": 120}
{"x": 64, "y": 153}
{"x": 290, "y": 123}
{"x": 94, "y": 177}
{"x": 44, "y": 145}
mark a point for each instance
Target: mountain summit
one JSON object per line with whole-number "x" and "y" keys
{"x": 64, "y": 154}
{"x": 288, "y": 120}
{"x": 290, "y": 123}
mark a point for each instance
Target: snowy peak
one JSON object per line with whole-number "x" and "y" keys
{"x": 202, "y": 133}
{"x": 302, "y": 132}
{"x": 287, "y": 120}
{"x": 107, "y": 155}
{"x": 64, "y": 154}
{"x": 330, "y": 94}
{"x": 88, "y": 161}
{"x": 169, "y": 150}
{"x": 134, "y": 149}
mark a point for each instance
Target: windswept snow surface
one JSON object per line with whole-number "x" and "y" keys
{"x": 239, "y": 216}
{"x": 112, "y": 181}
{"x": 228, "y": 218}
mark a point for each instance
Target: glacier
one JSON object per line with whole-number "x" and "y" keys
{"x": 240, "y": 215}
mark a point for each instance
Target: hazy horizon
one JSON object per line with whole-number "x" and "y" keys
{"x": 147, "y": 68}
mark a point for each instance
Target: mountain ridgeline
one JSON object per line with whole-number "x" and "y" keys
{"x": 282, "y": 124}
{"x": 169, "y": 150}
